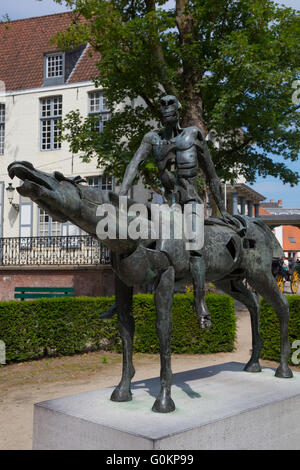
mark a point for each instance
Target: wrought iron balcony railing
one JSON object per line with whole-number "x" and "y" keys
{"x": 53, "y": 251}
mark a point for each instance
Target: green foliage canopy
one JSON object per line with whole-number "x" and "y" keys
{"x": 232, "y": 65}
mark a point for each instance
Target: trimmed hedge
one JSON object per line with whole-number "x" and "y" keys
{"x": 187, "y": 337}
{"x": 57, "y": 327}
{"x": 270, "y": 329}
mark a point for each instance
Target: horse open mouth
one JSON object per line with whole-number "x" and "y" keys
{"x": 31, "y": 180}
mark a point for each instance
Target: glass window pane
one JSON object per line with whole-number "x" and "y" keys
{"x": 93, "y": 180}
{"x": 25, "y": 231}
{"x": 51, "y": 108}
{"x": 2, "y": 113}
{"x": 73, "y": 230}
{"x": 107, "y": 183}
{"x": 55, "y": 229}
{"x": 26, "y": 214}
{"x": 54, "y": 66}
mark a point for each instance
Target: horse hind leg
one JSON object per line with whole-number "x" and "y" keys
{"x": 266, "y": 286}
{"x": 237, "y": 290}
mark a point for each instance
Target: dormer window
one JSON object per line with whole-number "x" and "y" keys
{"x": 54, "y": 68}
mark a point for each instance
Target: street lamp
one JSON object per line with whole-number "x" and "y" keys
{"x": 10, "y": 195}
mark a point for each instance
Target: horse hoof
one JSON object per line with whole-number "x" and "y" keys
{"x": 252, "y": 367}
{"x": 165, "y": 405}
{"x": 283, "y": 372}
{"x": 121, "y": 395}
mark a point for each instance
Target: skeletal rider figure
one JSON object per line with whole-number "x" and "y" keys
{"x": 179, "y": 152}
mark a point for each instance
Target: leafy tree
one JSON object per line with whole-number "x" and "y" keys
{"x": 231, "y": 64}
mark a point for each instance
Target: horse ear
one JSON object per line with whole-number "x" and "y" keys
{"x": 78, "y": 179}
{"x": 59, "y": 176}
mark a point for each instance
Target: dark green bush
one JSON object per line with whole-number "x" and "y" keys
{"x": 34, "y": 329}
{"x": 187, "y": 337}
{"x": 270, "y": 330}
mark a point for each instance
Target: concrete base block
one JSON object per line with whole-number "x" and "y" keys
{"x": 217, "y": 407}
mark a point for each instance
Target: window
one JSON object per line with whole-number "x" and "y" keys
{"x": 51, "y": 114}
{"x": 49, "y": 228}
{"x": 72, "y": 236}
{"x": 292, "y": 239}
{"x": 54, "y": 68}
{"x": 98, "y": 108}
{"x": 54, "y": 65}
{"x": 25, "y": 222}
{"x": 2, "y": 128}
{"x": 106, "y": 183}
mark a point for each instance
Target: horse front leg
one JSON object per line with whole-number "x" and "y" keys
{"x": 126, "y": 329}
{"x": 163, "y": 301}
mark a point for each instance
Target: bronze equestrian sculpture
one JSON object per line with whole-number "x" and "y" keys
{"x": 229, "y": 261}
{"x": 179, "y": 153}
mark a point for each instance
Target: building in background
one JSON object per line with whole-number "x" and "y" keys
{"x": 41, "y": 86}
{"x": 285, "y": 224}
{"x": 242, "y": 199}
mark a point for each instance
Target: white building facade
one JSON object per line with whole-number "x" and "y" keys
{"x": 31, "y": 134}
{"x": 39, "y": 86}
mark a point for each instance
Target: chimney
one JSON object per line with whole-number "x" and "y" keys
{"x": 279, "y": 202}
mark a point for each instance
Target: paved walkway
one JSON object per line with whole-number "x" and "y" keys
{"x": 23, "y": 384}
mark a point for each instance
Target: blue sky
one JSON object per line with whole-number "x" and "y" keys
{"x": 271, "y": 188}
{"x": 17, "y": 9}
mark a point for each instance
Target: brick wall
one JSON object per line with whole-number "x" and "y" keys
{"x": 88, "y": 281}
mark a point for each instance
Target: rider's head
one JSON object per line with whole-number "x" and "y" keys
{"x": 169, "y": 108}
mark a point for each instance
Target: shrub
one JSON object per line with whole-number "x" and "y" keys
{"x": 187, "y": 337}
{"x": 62, "y": 326}
{"x": 270, "y": 330}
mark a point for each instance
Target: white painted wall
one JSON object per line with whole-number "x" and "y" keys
{"x": 278, "y": 231}
{"x": 278, "y": 234}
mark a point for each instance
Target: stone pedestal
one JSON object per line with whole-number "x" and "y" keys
{"x": 217, "y": 407}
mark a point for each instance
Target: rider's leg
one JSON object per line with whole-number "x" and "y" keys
{"x": 197, "y": 269}
{"x": 194, "y": 217}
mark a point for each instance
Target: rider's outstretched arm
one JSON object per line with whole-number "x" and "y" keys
{"x": 132, "y": 169}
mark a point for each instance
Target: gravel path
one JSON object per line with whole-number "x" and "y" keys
{"x": 23, "y": 384}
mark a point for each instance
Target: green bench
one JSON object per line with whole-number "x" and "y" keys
{"x": 23, "y": 293}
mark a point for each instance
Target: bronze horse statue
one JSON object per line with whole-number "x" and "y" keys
{"x": 230, "y": 260}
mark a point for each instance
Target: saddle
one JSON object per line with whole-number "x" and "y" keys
{"x": 238, "y": 223}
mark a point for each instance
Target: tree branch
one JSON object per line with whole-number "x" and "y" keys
{"x": 181, "y": 18}
{"x": 150, "y": 104}
{"x": 239, "y": 147}
{"x": 159, "y": 54}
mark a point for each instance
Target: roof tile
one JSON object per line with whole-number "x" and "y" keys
{"x": 290, "y": 231}
{"x": 23, "y": 45}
